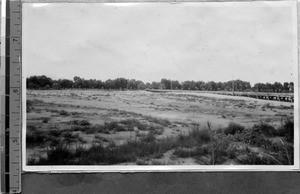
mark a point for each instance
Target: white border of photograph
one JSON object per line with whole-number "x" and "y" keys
{"x": 171, "y": 168}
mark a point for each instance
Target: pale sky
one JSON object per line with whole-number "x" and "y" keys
{"x": 251, "y": 41}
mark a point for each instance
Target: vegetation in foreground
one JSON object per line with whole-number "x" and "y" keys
{"x": 262, "y": 144}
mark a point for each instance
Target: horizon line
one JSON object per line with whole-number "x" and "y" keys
{"x": 103, "y": 80}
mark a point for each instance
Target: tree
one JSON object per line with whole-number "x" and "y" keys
{"x": 77, "y": 82}
{"x": 141, "y": 85}
{"x": 65, "y": 83}
{"x": 99, "y": 84}
{"x": 199, "y": 85}
{"x": 166, "y": 83}
{"x": 132, "y": 84}
{"x": 189, "y": 85}
{"x": 175, "y": 85}
{"x": 108, "y": 84}
{"x": 291, "y": 87}
{"x": 211, "y": 86}
{"x": 286, "y": 87}
{"x": 277, "y": 87}
{"x": 156, "y": 85}
{"x": 44, "y": 82}
{"x": 120, "y": 83}
{"x": 39, "y": 82}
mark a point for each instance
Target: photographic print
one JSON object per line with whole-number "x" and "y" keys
{"x": 129, "y": 84}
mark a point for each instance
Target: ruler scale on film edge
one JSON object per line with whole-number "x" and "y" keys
{"x": 11, "y": 96}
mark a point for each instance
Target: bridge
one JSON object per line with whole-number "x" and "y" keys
{"x": 288, "y": 97}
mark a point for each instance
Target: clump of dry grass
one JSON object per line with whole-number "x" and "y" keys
{"x": 262, "y": 144}
{"x": 159, "y": 121}
{"x": 233, "y": 128}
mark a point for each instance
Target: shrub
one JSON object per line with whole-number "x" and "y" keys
{"x": 198, "y": 143}
{"x": 35, "y": 137}
{"x": 264, "y": 128}
{"x": 287, "y": 130}
{"x": 80, "y": 122}
{"x": 163, "y": 122}
{"x": 114, "y": 126}
{"x": 156, "y": 130}
{"x": 99, "y": 138}
{"x": 195, "y": 137}
{"x": 55, "y": 142}
{"x": 71, "y": 137}
{"x": 115, "y": 154}
{"x": 203, "y": 135}
{"x": 233, "y": 128}
{"x": 110, "y": 154}
{"x": 90, "y": 129}
{"x": 55, "y": 132}
{"x": 96, "y": 129}
{"x": 132, "y": 123}
{"x": 221, "y": 150}
{"x": 254, "y": 158}
{"x": 28, "y": 105}
{"x": 191, "y": 152}
{"x": 150, "y": 137}
{"x": 58, "y": 155}
{"x": 63, "y": 113}
{"x": 45, "y": 119}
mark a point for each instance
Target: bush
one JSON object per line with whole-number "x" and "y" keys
{"x": 80, "y": 122}
{"x": 58, "y": 155}
{"x": 287, "y": 130}
{"x": 221, "y": 150}
{"x": 63, "y": 113}
{"x": 114, "y": 126}
{"x": 150, "y": 137}
{"x": 265, "y": 146}
{"x": 131, "y": 123}
{"x": 71, "y": 137}
{"x": 99, "y": 138}
{"x": 191, "y": 152}
{"x": 35, "y": 137}
{"x": 163, "y": 122}
{"x": 130, "y": 151}
{"x": 201, "y": 135}
{"x": 45, "y": 119}
{"x": 233, "y": 128}
{"x": 28, "y": 105}
{"x": 253, "y": 158}
{"x": 264, "y": 128}
{"x": 90, "y": 129}
{"x": 185, "y": 152}
{"x": 55, "y": 132}
{"x": 108, "y": 127}
{"x": 96, "y": 129}
{"x": 196, "y": 137}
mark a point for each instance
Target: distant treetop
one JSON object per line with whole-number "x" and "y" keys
{"x": 44, "y": 82}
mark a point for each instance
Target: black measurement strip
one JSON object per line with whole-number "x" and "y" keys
{"x": 7, "y": 98}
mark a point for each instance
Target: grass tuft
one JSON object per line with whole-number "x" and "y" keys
{"x": 233, "y": 128}
{"x": 262, "y": 144}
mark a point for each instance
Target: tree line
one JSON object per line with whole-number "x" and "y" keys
{"x": 44, "y": 83}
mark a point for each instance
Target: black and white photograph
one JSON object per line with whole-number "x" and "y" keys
{"x": 161, "y": 84}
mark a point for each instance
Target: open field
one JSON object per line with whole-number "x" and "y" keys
{"x": 142, "y": 127}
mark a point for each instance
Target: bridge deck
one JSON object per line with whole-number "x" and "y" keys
{"x": 289, "y": 97}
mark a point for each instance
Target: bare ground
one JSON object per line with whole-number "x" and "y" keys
{"x": 173, "y": 113}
